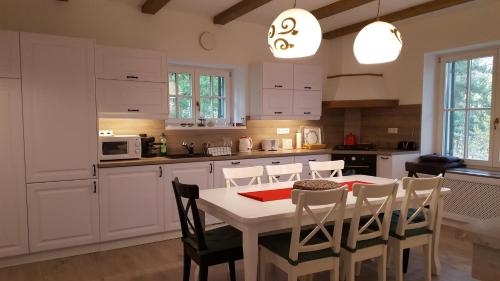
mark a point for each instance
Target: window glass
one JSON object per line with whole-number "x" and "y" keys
{"x": 213, "y": 103}
{"x": 180, "y": 95}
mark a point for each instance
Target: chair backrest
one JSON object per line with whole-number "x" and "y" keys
{"x": 275, "y": 171}
{"x": 425, "y": 204}
{"x": 304, "y": 199}
{"x": 253, "y": 173}
{"x": 192, "y": 230}
{"x": 334, "y": 166}
{"x": 374, "y": 199}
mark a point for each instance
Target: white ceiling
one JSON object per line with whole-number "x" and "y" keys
{"x": 265, "y": 14}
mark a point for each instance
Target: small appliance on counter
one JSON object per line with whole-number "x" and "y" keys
{"x": 147, "y": 146}
{"x": 270, "y": 145}
{"x": 350, "y": 139}
{"x": 119, "y": 147}
{"x": 246, "y": 144}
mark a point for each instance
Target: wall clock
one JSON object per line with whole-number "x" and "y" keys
{"x": 207, "y": 41}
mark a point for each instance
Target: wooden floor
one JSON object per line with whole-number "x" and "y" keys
{"x": 162, "y": 261}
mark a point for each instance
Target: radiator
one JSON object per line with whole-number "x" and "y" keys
{"x": 471, "y": 198}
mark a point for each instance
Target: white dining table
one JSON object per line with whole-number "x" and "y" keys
{"x": 254, "y": 218}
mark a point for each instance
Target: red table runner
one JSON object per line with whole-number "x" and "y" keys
{"x": 285, "y": 193}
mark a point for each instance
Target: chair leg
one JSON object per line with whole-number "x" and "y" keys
{"x": 382, "y": 267}
{"x": 350, "y": 269}
{"x": 334, "y": 274}
{"x": 398, "y": 258}
{"x": 292, "y": 276}
{"x": 203, "y": 272}
{"x": 358, "y": 268}
{"x": 406, "y": 259}
{"x": 197, "y": 273}
{"x": 232, "y": 271}
{"x": 428, "y": 260}
{"x": 187, "y": 267}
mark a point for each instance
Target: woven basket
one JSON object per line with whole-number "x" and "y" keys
{"x": 315, "y": 185}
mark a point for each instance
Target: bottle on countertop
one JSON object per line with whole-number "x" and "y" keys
{"x": 298, "y": 140}
{"x": 163, "y": 145}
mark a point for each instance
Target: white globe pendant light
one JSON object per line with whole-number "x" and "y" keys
{"x": 378, "y": 42}
{"x": 295, "y": 33}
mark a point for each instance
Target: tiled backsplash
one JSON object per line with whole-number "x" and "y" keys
{"x": 333, "y": 125}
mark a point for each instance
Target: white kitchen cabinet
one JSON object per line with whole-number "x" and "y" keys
{"x": 277, "y": 103}
{"x": 131, "y": 64}
{"x": 273, "y": 161}
{"x": 219, "y": 180}
{"x": 277, "y": 75}
{"x": 62, "y": 214}
{"x": 198, "y": 173}
{"x": 13, "y": 217}
{"x": 131, "y": 201}
{"x": 307, "y": 104}
{"x": 393, "y": 166}
{"x": 60, "y": 122}
{"x": 305, "y": 159}
{"x": 10, "y": 60}
{"x": 307, "y": 77}
{"x": 132, "y": 99}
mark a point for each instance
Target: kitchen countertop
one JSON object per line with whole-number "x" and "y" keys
{"x": 376, "y": 151}
{"x": 249, "y": 155}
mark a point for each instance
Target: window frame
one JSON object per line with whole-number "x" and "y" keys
{"x": 196, "y": 72}
{"x": 495, "y": 104}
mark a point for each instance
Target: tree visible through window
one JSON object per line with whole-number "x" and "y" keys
{"x": 468, "y": 108}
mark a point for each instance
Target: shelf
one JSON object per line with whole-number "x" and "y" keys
{"x": 194, "y": 128}
{"x": 359, "y": 103}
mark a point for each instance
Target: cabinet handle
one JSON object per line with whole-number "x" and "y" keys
{"x": 307, "y": 112}
{"x": 94, "y": 173}
{"x": 312, "y": 160}
{"x": 278, "y": 112}
{"x": 276, "y": 162}
{"x": 95, "y": 187}
{"x": 278, "y": 86}
{"x": 161, "y": 171}
{"x": 308, "y": 88}
{"x": 495, "y": 123}
{"x": 132, "y": 77}
{"x": 211, "y": 168}
{"x": 235, "y": 163}
{"x": 133, "y": 110}
{"x": 384, "y": 158}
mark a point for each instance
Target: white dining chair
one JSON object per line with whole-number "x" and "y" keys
{"x": 303, "y": 251}
{"x": 360, "y": 240}
{"x": 274, "y": 172}
{"x": 413, "y": 226}
{"x": 254, "y": 174}
{"x": 333, "y": 167}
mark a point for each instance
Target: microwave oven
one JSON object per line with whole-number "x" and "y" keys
{"x": 119, "y": 147}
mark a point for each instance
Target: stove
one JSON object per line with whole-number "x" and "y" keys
{"x": 360, "y": 146}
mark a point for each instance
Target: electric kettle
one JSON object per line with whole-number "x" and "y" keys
{"x": 246, "y": 144}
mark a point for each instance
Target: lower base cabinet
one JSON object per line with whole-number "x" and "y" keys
{"x": 131, "y": 201}
{"x": 62, "y": 214}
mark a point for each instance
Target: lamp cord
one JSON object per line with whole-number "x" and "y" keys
{"x": 378, "y": 10}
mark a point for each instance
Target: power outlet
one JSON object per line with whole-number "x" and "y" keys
{"x": 282, "y": 131}
{"x": 392, "y": 130}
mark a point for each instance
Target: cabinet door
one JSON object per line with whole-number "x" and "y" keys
{"x": 219, "y": 180}
{"x": 13, "y": 223}
{"x": 277, "y": 102}
{"x": 131, "y": 64}
{"x": 131, "y": 201}
{"x": 131, "y": 99}
{"x": 305, "y": 159}
{"x": 307, "y": 104}
{"x": 9, "y": 54}
{"x": 273, "y": 161}
{"x": 307, "y": 77}
{"x": 60, "y": 123}
{"x": 199, "y": 173}
{"x": 384, "y": 166}
{"x": 62, "y": 214}
{"x": 277, "y": 75}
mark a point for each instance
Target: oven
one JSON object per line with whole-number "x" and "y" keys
{"x": 358, "y": 164}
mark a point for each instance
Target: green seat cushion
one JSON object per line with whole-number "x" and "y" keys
{"x": 280, "y": 245}
{"x": 409, "y": 232}
{"x": 360, "y": 244}
{"x": 220, "y": 239}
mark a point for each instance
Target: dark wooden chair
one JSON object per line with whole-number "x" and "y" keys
{"x": 206, "y": 248}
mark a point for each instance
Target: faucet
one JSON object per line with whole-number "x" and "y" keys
{"x": 188, "y": 147}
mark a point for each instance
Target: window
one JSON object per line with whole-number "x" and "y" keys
{"x": 468, "y": 108}
{"x": 196, "y": 93}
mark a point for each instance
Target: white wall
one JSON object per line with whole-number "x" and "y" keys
{"x": 121, "y": 23}
{"x": 467, "y": 24}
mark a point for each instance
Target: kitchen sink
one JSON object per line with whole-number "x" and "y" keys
{"x": 182, "y": 156}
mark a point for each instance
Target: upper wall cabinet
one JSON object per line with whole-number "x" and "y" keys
{"x": 60, "y": 119}
{"x": 9, "y": 54}
{"x": 131, "y": 64}
{"x": 307, "y": 77}
{"x": 277, "y": 76}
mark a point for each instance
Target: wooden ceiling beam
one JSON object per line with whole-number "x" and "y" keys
{"x": 414, "y": 11}
{"x": 338, "y": 7}
{"x": 153, "y": 6}
{"x": 238, "y": 10}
